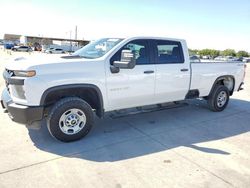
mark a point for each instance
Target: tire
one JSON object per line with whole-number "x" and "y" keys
{"x": 70, "y": 119}
{"x": 218, "y": 99}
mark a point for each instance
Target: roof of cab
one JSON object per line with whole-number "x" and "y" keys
{"x": 154, "y": 37}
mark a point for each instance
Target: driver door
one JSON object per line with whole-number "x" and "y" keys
{"x": 132, "y": 87}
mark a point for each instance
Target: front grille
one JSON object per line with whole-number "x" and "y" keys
{"x": 15, "y": 90}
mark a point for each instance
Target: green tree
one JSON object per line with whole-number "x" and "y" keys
{"x": 229, "y": 52}
{"x": 204, "y": 52}
{"x": 193, "y": 52}
{"x": 214, "y": 53}
{"x": 209, "y": 52}
{"x": 242, "y": 54}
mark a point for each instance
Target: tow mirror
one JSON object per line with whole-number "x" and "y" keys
{"x": 127, "y": 60}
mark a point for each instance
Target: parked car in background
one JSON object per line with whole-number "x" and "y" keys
{"x": 22, "y": 49}
{"x": 227, "y": 58}
{"x": 220, "y": 58}
{"x": 239, "y": 59}
{"x": 246, "y": 60}
{"x": 8, "y": 46}
{"x": 55, "y": 51}
{"x": 206, "y": 57}
{"x": 194, "y": 59}
{"x": 230, "y": 58}
{"x": 38, "y": 48}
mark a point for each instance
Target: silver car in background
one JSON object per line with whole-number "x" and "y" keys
{"x": 22, "y": 49}
{"x": 55, "y": 51}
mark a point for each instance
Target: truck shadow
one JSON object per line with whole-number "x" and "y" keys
{"x": 143, "y": 134}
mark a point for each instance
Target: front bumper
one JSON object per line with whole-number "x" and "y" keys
{"x": 21, "y": 113}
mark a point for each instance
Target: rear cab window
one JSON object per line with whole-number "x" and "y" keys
{"x": 168, "y": 52}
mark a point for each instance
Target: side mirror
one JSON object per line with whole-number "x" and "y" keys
{"x": 127, "y": 60}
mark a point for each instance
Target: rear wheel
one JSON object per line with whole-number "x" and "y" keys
{"x": 70, "y": 119}
{"x": 218, "y": 99}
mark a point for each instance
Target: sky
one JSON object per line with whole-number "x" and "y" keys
{"x": 217, "y": 24}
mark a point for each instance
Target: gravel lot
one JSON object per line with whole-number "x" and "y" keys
{"x": 181, "y": 147}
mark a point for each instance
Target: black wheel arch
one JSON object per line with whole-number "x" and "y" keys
{"x": 88, "y": 92}
{"x": 220, "y": 80}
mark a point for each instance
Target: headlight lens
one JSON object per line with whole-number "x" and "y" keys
{"x": 29, "y": 73}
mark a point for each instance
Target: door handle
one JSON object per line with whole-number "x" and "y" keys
{"x": 148, "y": 72}
{"x": 184, "y": 70}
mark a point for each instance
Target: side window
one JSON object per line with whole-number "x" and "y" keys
{"x": 139, "y": 48}
{"x": 169, "y": 52}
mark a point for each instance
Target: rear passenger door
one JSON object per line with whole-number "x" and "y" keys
{"x": 172, "y": 71}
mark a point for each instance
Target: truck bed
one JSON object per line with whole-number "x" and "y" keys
{"x": 205, "y": 73}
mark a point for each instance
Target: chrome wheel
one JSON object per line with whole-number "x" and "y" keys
{"x": 72, "y": 121}
{"x": 222, "y": 99}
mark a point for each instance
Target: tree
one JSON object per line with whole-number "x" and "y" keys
{"x": 229, "y": 52}
{"x": 214, "y": 53}
{"x": 193, "y": 52}
{"x": 242, "y": 54}
{"x": 209, "y": 52}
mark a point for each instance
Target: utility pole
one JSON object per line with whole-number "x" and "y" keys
{"x": 70, "y": 41}
{"x": 76, "y": 33}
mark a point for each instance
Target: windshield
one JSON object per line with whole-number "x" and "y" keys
{"x": 97, "y": 48}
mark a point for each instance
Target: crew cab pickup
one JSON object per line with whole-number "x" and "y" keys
{"x": 111, "y": 74}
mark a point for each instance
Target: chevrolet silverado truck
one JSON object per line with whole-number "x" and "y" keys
{"x": 112, "y": 74}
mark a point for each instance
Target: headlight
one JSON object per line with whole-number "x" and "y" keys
{"x": 29, "y": 73}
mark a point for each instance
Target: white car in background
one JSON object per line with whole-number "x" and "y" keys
{"x": 220, "y": 58}
{"x": 55, "y": 51}
{"x": 226, "y": 58}
{"x": 22, "y": 49}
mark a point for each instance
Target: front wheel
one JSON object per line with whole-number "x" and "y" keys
{"x": 70, "y": 119}
{"x": 218, "y": 99}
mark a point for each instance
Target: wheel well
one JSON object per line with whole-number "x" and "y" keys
{"x": 90, "y": 94}
{"x": 227, "y": 81}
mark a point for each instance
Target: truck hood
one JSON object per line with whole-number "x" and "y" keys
{"x": 26, "y": 63}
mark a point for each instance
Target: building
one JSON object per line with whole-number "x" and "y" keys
{"x": 36, "y": 41}
{"x": 10, "y": 38}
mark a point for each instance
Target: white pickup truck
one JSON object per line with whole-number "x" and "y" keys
{"x": 111, "y": 74}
